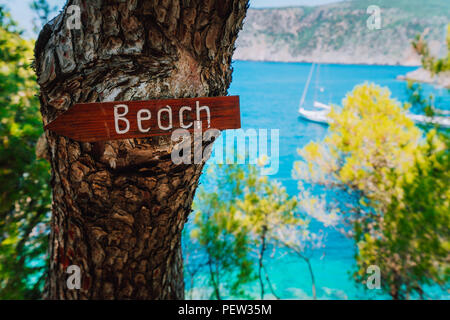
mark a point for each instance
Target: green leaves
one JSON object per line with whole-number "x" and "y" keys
{"x": 219, "y": 231}
{"x": 24, "y": 192}
{"x": 429, "y": 62}
{"x": 239, "y": 215}
{"x": 415, "y": 227}
{"x": 388, "y": 186}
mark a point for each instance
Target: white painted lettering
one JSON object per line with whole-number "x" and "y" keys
{"x": 167, "y": 109}
{"x": 182, "y": 125}
{"x": 121, "y": 117}
{"x": 141, "y": 118}
{"x": 203, "y": 108}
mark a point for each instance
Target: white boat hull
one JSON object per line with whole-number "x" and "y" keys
{"x": 321, "y": 116}
{"x": 316, "y": 116}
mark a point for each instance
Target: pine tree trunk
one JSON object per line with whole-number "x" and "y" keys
{"x": 119, "y": 206}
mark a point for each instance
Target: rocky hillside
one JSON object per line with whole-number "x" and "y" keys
{"x": 338, "y": 33}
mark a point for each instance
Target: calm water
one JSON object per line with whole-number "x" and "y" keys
{"x": 270, "y": 95}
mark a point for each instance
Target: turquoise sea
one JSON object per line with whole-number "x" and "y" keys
{"x": 270, "y": 93}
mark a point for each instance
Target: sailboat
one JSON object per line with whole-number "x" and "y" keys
{"x": 320, "y": 112}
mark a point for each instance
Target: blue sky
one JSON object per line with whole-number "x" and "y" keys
{"x": 22, "y": 13}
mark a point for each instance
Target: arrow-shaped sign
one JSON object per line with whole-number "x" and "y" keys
{"x": 90, "y": 122}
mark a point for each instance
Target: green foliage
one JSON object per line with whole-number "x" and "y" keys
{"x": 24, "y": 192}
{"x": 412, "y": 240}
{"x": 238, "y": 218}
{"x": 430, "y": 62}
{"x": 416, "y": 99}
{"x": 219, "y": 231}
{"x": 367, "y": 139}
{"x": 389, "y": 187}
{"x": 266, "y": 208}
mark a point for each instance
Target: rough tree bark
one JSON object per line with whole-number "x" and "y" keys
{"x": 119, "y": 207}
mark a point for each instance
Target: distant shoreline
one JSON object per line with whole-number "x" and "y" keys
{"x": 336, "y": 63}
{"x": 424, "y": 76}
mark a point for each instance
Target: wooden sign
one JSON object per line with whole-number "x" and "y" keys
{"x": 90, "y": 122}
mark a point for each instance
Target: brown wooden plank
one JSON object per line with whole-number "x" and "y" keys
{"x": 90, "y": 122}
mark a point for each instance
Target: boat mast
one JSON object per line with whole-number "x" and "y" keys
{"x": 305, "y": 90}
{"x": 316, "y": 82}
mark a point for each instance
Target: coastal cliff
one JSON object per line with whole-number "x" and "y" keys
{"x": 338, "y": 33}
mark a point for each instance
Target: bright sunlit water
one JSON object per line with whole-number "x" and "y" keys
{"x": 270, "y": 93}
